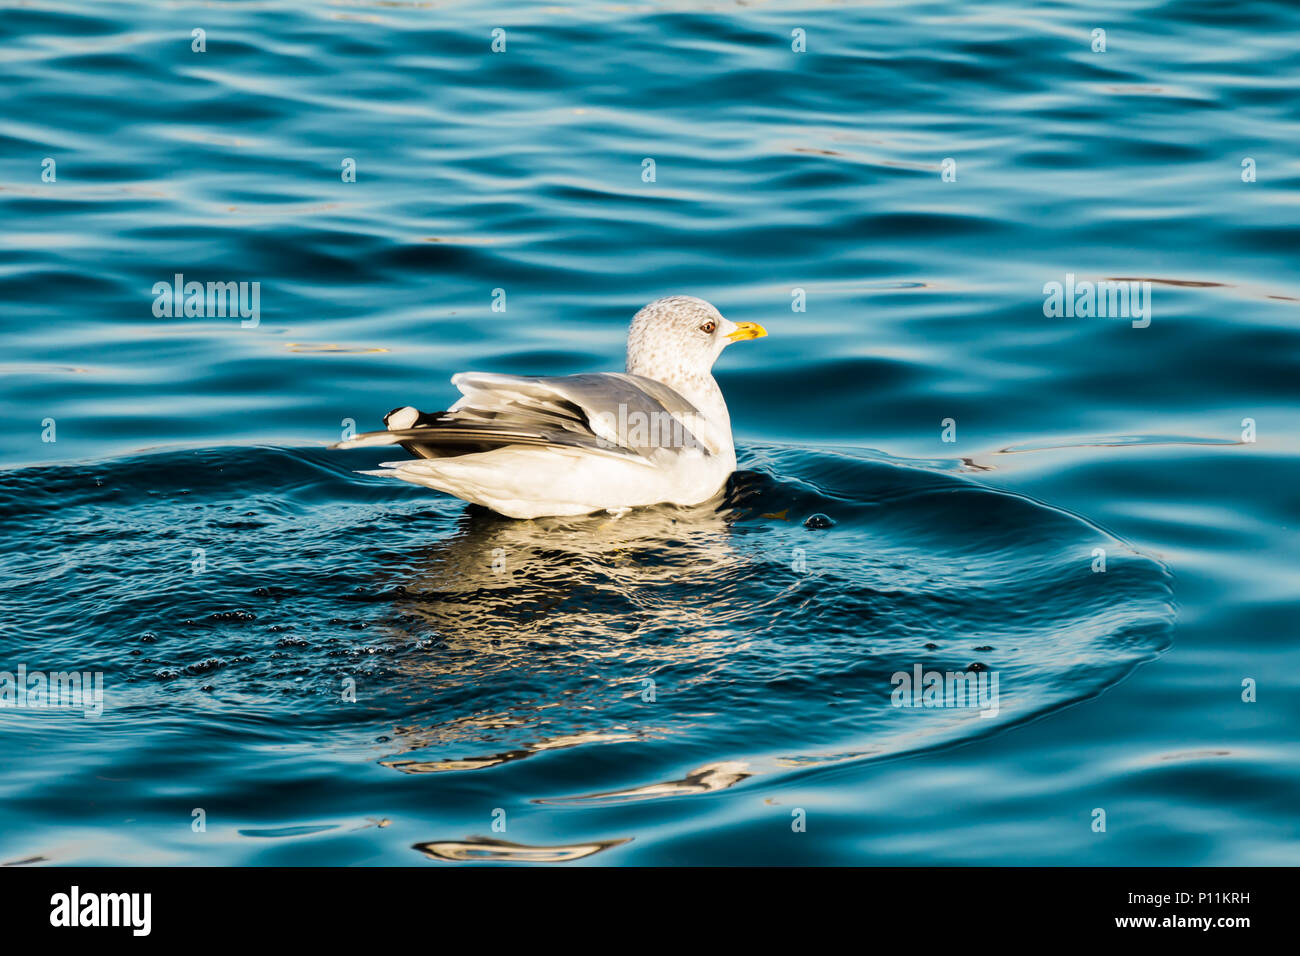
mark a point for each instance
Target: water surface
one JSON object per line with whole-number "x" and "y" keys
{"x": 333, "y": 668}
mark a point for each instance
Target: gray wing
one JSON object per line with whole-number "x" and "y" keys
{"x": 611, "y": 412}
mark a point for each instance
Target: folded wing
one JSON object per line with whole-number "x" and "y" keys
{"x": 628, "y": 416}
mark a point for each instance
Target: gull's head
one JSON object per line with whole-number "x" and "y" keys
{"x": 680, "y": 336}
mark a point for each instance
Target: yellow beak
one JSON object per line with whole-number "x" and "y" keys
{"x": 747, "y": 330}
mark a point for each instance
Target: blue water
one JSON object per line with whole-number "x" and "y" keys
{"x": 305, "y": 665}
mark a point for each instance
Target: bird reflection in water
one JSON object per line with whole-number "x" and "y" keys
{"x": 549, "y": 633}
{"x": 485, "y": 849}
{"x": 706, "y": 779}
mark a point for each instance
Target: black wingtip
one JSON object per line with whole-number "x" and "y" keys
{"x": 408, "y": 417}
{"x": 405, "y": 417}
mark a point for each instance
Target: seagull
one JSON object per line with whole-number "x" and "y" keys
{"x": 538, "y": 446}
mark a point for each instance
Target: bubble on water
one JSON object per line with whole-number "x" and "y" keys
{"x": 202, "y": 667}
{"x": 232, "y": 616}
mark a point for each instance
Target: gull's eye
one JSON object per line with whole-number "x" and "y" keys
{"x": 708, "y": 327}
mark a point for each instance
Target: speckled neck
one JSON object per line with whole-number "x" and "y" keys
{"x": 667, "y": 342}
{"x": 697, "y": 387}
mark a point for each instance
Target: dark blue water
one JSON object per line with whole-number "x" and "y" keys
{"x": 323, "y": 667}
